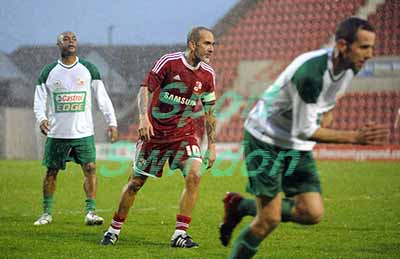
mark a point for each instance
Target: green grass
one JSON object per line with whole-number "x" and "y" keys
{"x": 362, "y": 218}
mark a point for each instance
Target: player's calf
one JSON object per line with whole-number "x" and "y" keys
{"x": 135, "y": 184}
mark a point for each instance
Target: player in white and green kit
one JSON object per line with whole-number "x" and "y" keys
{"x": 281, "y": 131}
{"x": 63, "y": 108}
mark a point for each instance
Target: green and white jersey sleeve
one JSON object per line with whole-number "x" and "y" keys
{"x": 63, "y": 95}
{"x": 289, "y": 111}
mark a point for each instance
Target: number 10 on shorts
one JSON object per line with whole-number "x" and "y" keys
{"x": 193, "y": 151}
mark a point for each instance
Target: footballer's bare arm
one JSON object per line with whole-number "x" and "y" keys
{"x": 145, "y": 128}
{"x": 211, "y": 123}
{"x": 369, "y": 134}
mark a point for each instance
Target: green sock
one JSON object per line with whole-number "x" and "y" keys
{"x": 247, "y": 207}
{"x": 90, "y": 204}
{"x": 245, "y": 245}
{"x": 287, "y": 207}
{"x": 48, "y": 204}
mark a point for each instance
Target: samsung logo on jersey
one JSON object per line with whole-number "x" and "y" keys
{"x": 178, "y": 99}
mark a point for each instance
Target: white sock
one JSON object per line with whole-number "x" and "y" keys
{"x": 177, "y": 233}
{"x": 114, "y": 231}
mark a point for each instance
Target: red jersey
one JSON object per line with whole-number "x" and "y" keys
{"x": 177, "y": 87}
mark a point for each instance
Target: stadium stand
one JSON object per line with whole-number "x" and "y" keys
{"x": 277, "y": 30}
{"x": 257, "y": 30}
{"x": 387, "y": 21}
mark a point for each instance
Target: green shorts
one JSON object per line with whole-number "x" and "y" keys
{"x": 59, "y": 151}
{"x": 272, "y": 170}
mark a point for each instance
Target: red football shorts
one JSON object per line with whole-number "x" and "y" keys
{"x": 150, "y": 157}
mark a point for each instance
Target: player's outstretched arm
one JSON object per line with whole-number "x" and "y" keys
{"x": 370, "y": 134}
{"x": 211, "y": 123}
{"x": 373, "y": 134}
{"x": 145, "y": 129}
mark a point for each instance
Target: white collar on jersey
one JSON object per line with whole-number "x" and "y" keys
{"x": 183, "y": 57}
{"x": 68, "y": 66}
{"x": 330, "y": 67}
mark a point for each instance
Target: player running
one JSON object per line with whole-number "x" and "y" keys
{"x": 281, "y": 131}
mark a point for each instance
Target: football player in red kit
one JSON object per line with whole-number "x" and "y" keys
{"x": 176, "y": 83}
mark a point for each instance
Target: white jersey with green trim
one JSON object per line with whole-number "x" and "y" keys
{"x": 65, "y": 92}
{"x": 289, "y": 111}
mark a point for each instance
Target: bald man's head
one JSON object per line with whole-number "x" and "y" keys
{"x": 67, "y": 43}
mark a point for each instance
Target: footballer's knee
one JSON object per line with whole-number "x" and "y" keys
{"x": 311, "y": 215}
{"x": 89, "y": 168}
{"x": 192, "y": 173}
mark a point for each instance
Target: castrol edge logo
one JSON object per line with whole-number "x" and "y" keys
{"x": 69, "y": 101}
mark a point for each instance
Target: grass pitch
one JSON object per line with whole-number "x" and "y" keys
{"x": 362, "y": 217}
